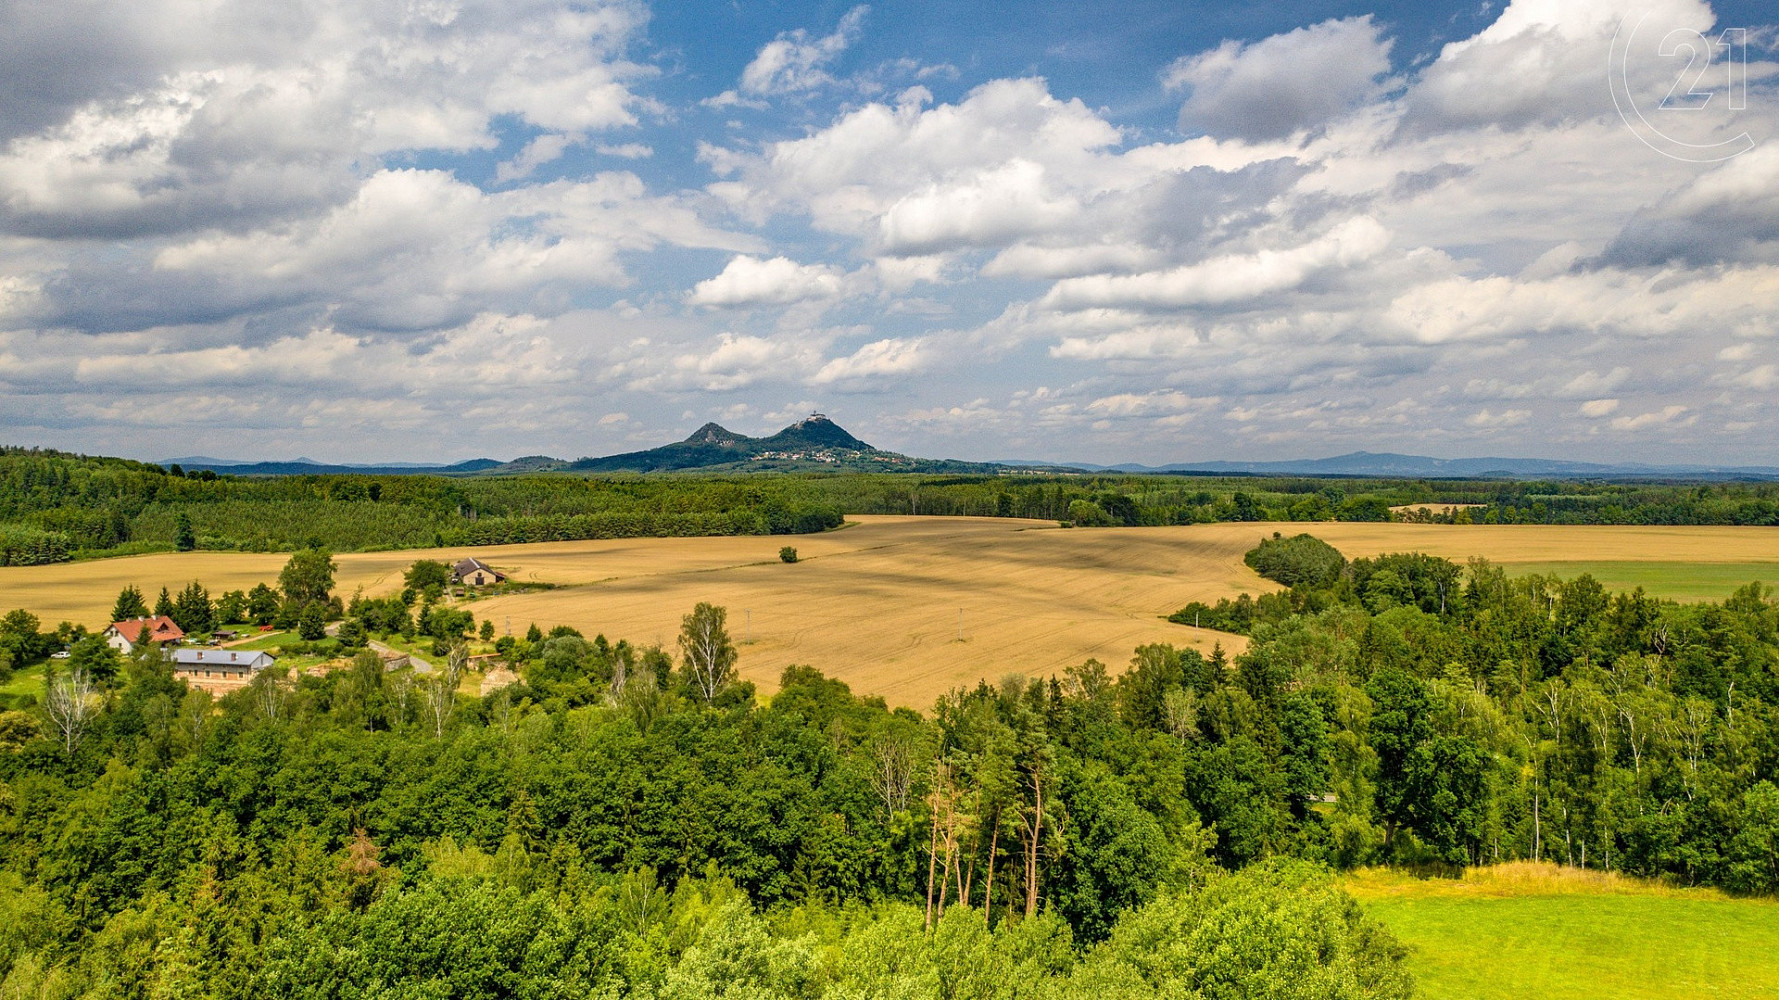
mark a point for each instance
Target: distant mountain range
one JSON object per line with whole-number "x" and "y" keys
{"x": 817, "y": 443}
{"x": 811, "y": 444}
{"x": 308, "y": 467}
{"x": 1393, "y": 466}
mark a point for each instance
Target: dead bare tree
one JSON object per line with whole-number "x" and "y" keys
{"x": 1179, "y": 709}
{"x": 942, "y": 803}
{"x": 401, "y": 693}
{"x": 71, "y": 703}
{"x": 441, "y": 688}
{"x": 614, "y": 693}
{"x": 269, "y": 692}
{"x": 195, "y": 710}
{"x": 892, "y": 771}
{"x": 1032, "y": 832}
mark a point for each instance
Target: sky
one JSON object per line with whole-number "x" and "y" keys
{"x": 429, "y": 230}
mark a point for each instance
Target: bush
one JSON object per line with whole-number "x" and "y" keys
{"x": 1275, "y": 929}
{"x": 1086, "y": 514}
{"x": 787, "y": 554}
{"x": 352, "y": 633}
{"x": 1302, "y": 560}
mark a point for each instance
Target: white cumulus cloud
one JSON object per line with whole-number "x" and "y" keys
{"x": 1282, "y": 84}
{"x": 750, "y": 281}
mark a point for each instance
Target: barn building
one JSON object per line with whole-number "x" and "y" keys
{"x": 219, "y": 670}
{"x": 476, "y": 573}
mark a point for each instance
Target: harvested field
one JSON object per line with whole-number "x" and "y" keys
{"x": 1434, "y": 508}
{"x": 1511, "y": 544}
{"x": 877, "y": 602}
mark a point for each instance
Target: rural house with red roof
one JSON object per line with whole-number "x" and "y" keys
{"x": 124, "y": 636}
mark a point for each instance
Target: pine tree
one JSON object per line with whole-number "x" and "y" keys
{"x": 192, "y": 611}
{"x": 184, "y": 539}
{"x": 522, "y": 821}
{"x": 163, "y": 606}
{"x": 129, "y": 605}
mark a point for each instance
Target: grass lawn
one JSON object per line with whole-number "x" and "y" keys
{"x": 25, "y": 680}
{"x": 1682, "y": 581}
{"x": 1555, "y": 938}
{"x": 421, "y": 646}
{"x": 273, "y": 642}
{"x": 270, "y": 640}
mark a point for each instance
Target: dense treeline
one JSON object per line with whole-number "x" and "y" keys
{"x": 1156, "y": 500}
{"x": 1474, "y": 717}
{"x": 24, "y": 545}
{"x": 54, "y": 506}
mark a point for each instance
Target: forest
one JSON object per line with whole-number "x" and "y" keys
{"x": 635, "y": 821}
{"x": 55, "y": 506}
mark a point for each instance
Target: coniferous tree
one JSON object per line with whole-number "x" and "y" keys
{"x": 192, "y": 610}
{"x": 184, "y": 539}
{"x": 129, "y": 605}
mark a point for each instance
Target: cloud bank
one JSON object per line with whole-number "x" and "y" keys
{"x": 436, "y": 229}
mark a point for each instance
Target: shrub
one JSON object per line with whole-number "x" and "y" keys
{"x": 787, "y": 554}
{"x": 1086, "y": 514}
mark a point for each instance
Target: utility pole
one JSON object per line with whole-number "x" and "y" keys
{"x": 749, "y": 636}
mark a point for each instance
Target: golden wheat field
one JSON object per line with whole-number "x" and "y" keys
{"x": 878, "y": 602}
{"x": 881, "y": 603}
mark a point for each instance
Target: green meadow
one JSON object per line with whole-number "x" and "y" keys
{"x": 1680, "y": 581}
{"x": 1547, "y": 940}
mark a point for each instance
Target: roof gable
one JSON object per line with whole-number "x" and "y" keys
{"x": 160, "y": 629}
{"x": 465, "y": 567}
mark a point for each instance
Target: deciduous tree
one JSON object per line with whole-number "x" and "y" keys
{"x": 706, "y": 650}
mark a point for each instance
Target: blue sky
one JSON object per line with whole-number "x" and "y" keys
{"x": 1154, "y": 232}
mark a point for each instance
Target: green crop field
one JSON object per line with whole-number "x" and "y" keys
{"x": 1556, "y": 938}
{"x": 1680, "y": 581}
